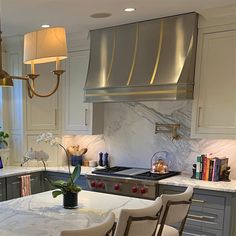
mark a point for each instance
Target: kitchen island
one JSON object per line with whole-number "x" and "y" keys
{"x": 42, "y": 215}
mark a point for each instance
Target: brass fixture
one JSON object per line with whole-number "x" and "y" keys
{"x": 43, "y": 46}
{"x": 168, "y": 128}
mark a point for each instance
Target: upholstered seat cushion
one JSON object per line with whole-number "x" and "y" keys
{"x": 168, "y": 231}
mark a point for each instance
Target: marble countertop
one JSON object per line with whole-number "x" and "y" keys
{"x": 184, "y": 181}
{"x": 42, "y": 215}
{"x": 179, "y": 180}
{"x": 15, "y": 170}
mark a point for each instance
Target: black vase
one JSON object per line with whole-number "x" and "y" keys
{"x": 70, "y": 200}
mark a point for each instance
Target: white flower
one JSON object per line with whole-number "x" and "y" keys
{"x": 48, "y": 138}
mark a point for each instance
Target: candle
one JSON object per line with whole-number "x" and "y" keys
{"x": 57, "y": 64}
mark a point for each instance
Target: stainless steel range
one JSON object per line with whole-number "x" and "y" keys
{"x": 128, "y": 181}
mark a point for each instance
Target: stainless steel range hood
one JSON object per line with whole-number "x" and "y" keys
{"x": 150, "y": 60}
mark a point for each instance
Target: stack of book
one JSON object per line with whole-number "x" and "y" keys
{"x": 210, "y": 168}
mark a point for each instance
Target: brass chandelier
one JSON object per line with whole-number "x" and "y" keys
{"x": 43, "y": 46}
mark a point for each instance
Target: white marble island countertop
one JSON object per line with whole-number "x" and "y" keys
{"x": 42, "y": 215}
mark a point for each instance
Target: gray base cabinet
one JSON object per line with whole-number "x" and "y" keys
{"x": 52, "y": 176}
{"x": 13, "y": 185}
{"x": 10, "y": 186}
{"x": 2, "y": 190}
{"x": 212, "y": 213}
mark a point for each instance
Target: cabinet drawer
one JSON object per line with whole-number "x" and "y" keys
{"x": 208, "y": 201}
{"x": 206, "y": 217}
{"x": 190, "y": 230}
{"x": 199, "y": 199}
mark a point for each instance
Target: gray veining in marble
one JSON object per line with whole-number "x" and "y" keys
{"x": 42, "y": 215}
{"x": 130, "y": 139}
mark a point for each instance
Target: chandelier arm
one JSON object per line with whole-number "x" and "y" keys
{"x": 30, "y": 94}
{"x": 31, "y": 89}
{"x": 19, "y": 77}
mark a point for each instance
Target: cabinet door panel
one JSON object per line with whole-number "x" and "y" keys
{"x": 77, "y": 113}
{"x": 2, "y": 190}
{"x": 214, "y": 107}
{"x": 53, "y": 176}
{"x": 13, "y": 187}
{"x": 217, "y": 92}
{"x": 51, "y": 151}
{"x": 42, "y": 113}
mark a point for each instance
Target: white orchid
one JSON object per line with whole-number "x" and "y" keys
{"x": 48, "y": 138}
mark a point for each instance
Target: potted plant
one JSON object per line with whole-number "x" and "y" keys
{"x": 68, "y": 188}
{"x": 3, "y": 141}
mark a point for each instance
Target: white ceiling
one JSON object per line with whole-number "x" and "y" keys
{"x": 21, "y": 16}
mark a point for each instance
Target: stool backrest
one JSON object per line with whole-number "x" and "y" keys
{"x": 139, "y": 222}
{"x": 106, "y": 228}
{"x": 175, "y": 208}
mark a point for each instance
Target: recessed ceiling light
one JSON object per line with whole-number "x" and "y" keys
{"x": 100, "y": 15}
{"x": 129, "y": 9}
{"x": 45, "y": 26}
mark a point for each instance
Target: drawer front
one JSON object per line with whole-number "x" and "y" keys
{"x": 199, "y": 199}
{"x": 206, "y": 217}
{"x": 190, "y": 230}
{"x": 208, "y": 201}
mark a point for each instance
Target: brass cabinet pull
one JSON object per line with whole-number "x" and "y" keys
{"x": 198, "y": 201}
{"x": 192, "y": 234}
{"x": 55, "y": 117}
{"x": 201, "y": 218}
{"x": 85, "y": 116}
{"x": 198, "y": 116}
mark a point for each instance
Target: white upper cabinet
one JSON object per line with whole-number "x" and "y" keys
{"x": 43, "y": 113}
{"x": 214, "y": 106}
{"x": 79, "y": 117}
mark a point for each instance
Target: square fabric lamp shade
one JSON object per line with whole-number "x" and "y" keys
{"x": 46, "y": 45}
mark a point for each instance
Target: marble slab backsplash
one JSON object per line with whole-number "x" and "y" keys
{"x": 94, "y": 144}
{"x": 131, "y": 140}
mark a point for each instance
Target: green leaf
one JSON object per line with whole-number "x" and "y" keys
{"x": 76, "y": 174}
{"x": 60, "y": 183}
{"x": 56, "y": 193}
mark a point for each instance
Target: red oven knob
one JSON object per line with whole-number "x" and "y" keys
{"x": 134, "y": 189}
{"x": 100, "y": 185}
{"x": 93, "y": 184}
{"x": 117, "y": 187}
{"x": 143, "y": 190}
